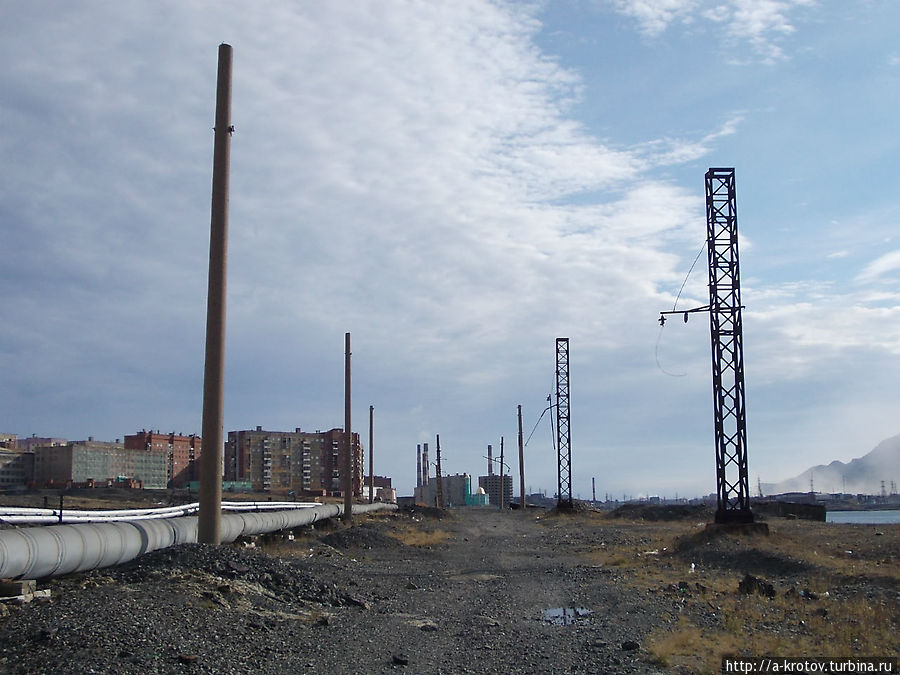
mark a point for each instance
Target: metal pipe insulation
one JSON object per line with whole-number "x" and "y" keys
{"x": 22, "y": 515}
{"x": 40, "y": 552}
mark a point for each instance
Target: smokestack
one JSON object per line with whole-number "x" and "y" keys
{"x": 490, "y": 461}
{"x": 425, "y": 469}
{"x": 418, "y": 465}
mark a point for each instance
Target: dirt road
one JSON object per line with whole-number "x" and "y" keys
{"x": 466, "y": 593}
{"x": 491, "y": 599}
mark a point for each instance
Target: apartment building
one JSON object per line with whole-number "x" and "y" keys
{"x": 182, "y": 453}
{"x": 300, "y": 461}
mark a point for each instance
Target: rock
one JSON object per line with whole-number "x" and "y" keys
{"x": 188, "y": 658}
{"x": 751, "y": 584}
{"x": 630, "y": 646}
{"x": 356, "y": 601}
{"x": 428, "y": 626}
{"x": 400, "y": 659}
{"x": 238, "y": 567}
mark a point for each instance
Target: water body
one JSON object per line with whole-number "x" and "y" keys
{"x": 863, "y": 517}
{"x": 566, "y": 616}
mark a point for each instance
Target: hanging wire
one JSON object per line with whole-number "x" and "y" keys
{"x": 536, "y": 426}
{"x": 674, "y": 305}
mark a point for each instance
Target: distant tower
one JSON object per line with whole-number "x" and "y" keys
{"x": 425, "y": 469}
{"x": 490, "y": 461}
{"x": 563, "y": 440}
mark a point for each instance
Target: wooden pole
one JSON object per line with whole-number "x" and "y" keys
{"x": 521, "y": 464}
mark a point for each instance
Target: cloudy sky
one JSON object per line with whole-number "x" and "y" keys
{"x": 456, "y": 184}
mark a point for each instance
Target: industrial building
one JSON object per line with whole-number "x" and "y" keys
{"x": 302, "y": 462}
{"x": 456, "y": 489}
{"x": 97, "y": 462}
{"x": 16, "y": 467}
{"x": 182, "y": 453}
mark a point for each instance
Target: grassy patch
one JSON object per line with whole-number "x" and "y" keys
{"x": 412, "y": 536}
{"x": 836, "y": 589}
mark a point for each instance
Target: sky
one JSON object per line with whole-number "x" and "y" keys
{"x": 456, "y": 184}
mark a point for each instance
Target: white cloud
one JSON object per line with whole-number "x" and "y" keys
{"x": 655, "y": 16}
{"x": 880, "y": 267}
{"x": 761, "y": 23}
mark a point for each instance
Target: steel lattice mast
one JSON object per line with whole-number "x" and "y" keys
{"x": 563, "y": 440}
{"x": 727, "y": 341}
{"x": 726, "y": 337}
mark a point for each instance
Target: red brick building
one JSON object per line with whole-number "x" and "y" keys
{"x": 182, "y": 453}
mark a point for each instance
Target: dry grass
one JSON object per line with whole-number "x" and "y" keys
{"x": 412, "y": 536}
{"x": 854, "y": 610}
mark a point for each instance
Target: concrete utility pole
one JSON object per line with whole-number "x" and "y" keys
{"x": 371, "y": 457}
{"x": 209, "y": 516}
{"x": 521, "y": 464}
{"x": 347, "y": 469}
{"x": 502, "y": 482}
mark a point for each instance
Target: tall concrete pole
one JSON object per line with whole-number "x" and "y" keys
{"x": 371, "y": 454}
{"x": 502, "y": 482}
{"x": 521, "y": 464}
{"x": 209, "y": 521}
{"x": 347, "y": 469}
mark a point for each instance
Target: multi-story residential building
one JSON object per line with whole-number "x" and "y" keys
{"x": 492, "y": 485}
{"x": 182, "y": 453}
{"x": 8, "y": 441}
{"x": 90, "y": 460}
{"x": 300, "y": 461}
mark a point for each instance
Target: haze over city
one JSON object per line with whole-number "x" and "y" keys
{"x": 457, "y": 185}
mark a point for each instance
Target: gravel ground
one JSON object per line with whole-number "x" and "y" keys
{"x": 473, "y": 590}
{"x": 348, "y": 601}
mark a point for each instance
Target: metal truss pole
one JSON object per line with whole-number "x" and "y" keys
{"x": 563, "y": 428}
{"x": 726, "y": 337}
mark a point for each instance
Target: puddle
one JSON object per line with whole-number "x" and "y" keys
{"x": 566, "y": 616}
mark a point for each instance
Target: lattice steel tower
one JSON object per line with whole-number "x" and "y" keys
{"x": 563, "y": 428}
{"x": 726, "y": 336}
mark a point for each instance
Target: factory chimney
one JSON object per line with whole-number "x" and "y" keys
{"x": 425, "y": 469}
{"x": 490, "y": 461}
{"x": 418, "y": 465}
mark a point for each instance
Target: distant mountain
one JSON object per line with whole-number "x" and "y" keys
{"x": 860, "y": 475}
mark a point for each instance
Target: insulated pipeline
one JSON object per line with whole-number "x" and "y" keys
{"x": 39, "y": 552}
{"x": 20, "y": 515}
